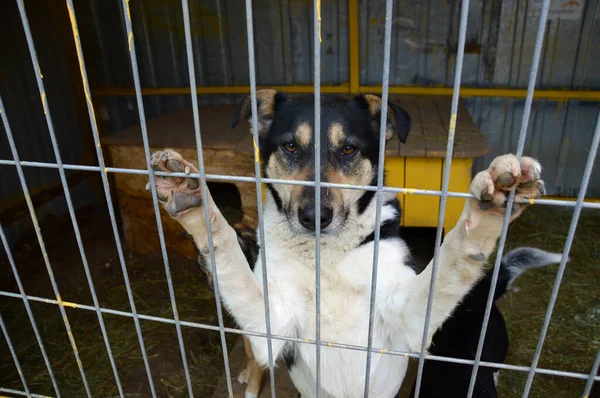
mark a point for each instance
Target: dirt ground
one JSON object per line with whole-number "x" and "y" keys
{"x": 571, "y": 344}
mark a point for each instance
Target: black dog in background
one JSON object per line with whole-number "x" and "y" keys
{"x": 459, "y": 335}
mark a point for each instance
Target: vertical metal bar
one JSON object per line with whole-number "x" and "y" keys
{"x": 261, "y": 226}
{"x": 389, "y": 5}
{"x": 192, "y": 74}
{"x": 563, "y": 262}
{"x": 14, "y": 355}
{"x": 38, "y": 74}
{"x": 317, "y": 148}
{"x": 539, "y": 43}
{"x": 38, "y": 232}
{"x": 111, "y": 210}
{"x": 464, "y": 13}
{"x": 590, "y": 382}
{"x": 446, "y": 180}
{"x": 67, "y": 193}
{"x": 26, "y": 301}
{"x": 163, "y": 246}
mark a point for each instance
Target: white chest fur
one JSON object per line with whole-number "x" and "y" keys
{"x": 345, "y": 289}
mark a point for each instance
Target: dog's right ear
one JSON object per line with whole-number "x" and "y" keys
{"x": 267, "y": 101}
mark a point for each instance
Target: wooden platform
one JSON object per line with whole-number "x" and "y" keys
{"x": 417, "y": 164}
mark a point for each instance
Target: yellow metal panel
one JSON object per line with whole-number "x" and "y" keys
{"x": 354, "y": 87}
{"x": 460, "y": 181}
{"x": 422, "y": 173}
{"x": 122, "y": 91}
{"x": 394, "y": 177}
{"x": 556, "y": 95}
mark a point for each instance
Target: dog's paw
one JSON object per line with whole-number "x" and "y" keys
{"x": 177, "y": 194}
{"x": 491, "y": 187}
{"x": 244, "y": 375}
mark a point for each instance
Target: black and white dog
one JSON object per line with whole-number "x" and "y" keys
{"x": 349, "y": 147}
{"x": 459, "y": 335}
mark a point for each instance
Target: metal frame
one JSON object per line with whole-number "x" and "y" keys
{"x": 354, "y": 86}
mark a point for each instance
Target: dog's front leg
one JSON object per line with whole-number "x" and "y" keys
{"x": 240, "y": 290}
{"x": 467, "y": 247}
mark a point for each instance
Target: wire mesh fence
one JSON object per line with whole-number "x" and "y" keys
{"x": 258, "y": 180}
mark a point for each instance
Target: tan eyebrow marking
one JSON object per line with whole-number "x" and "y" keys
{"x": 304, "y": 134}
{"x": 336, "y": 134}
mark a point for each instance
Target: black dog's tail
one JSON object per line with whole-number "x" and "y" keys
{"x": 517, "y": 261}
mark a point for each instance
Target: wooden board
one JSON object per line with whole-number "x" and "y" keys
{"x": 428, "y": 137}
{"x": 429, "y": 133}
{"x": 176, "y": 129}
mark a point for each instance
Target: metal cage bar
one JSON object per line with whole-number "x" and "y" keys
{"x": 300, "y": 340}
{"x": 104, "y": 177}
{"x": 259, "y": 180}
{"x": 563, "y": 262}
{"x": 23, "y": 296}
{"x": 593, "y": 372}
{"x": 220, "y": 177}
{"x": 163, "y": 246}
{"x": 539, "y": 42}
{"x": 389, "y": 5}
{"x": 464, "y": 13}
{"x": 13, "y": 353}
{"x": 42, "y": 245}
{"x": 204, "y": 188}
{"x": 317, "y": 146}
{"x": 444, "y": 193}
{"x": 17, "y": 392}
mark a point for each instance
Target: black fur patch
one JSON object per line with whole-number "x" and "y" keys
{"x": 364, "y": 200}
{"x": 389, "y": 228}
{"x": 276, "y": 197}
{"x": 289, "y": 355}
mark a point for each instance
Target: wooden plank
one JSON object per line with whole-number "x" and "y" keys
{"x": 394, "y": 177}
{"x": 177, "y": 129}
{"x": 430, "y": 118}
{"x": 141, "y": 233}
{"x": 460, "y": 181}
{"x": 422, "y": 173}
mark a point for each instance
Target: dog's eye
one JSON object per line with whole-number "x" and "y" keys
{"x": 348, "y": 149}
{"x": 290, "y": 147}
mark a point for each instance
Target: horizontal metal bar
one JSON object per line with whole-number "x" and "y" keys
{"x": 383, "y": 351}
{"x": 558, "y": 95}
{"x": 590, "y": 204}
{"x": 23, "y": 393}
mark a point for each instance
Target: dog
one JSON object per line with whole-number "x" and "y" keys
{"x": 459, "y": 335}
{"x": 349, "y": 155}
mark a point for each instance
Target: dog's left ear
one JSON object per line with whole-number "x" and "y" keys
{"x": 267, "y": 101}
{"x": 398, "y": 121}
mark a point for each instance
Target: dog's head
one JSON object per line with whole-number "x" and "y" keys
{"x": 349, "y": 148}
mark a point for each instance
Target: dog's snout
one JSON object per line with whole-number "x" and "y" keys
{"x": 307, "y": 216}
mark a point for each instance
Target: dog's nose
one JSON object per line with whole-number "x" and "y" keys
{"x": 307, "y": 215}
